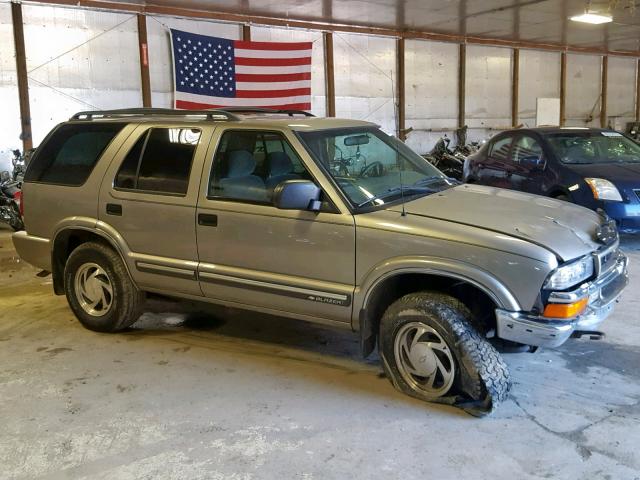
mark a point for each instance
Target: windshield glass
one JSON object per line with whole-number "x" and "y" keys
{"x": 370, "y": 167}
{"x": 594, "y": 147}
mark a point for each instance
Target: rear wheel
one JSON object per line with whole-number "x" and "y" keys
{"x": 99, "y": 290}
{"x": 431, "y": 351}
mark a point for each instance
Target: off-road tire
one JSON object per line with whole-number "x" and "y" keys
{"x": 480, "y": 370}
{"x": 126, "y": 301}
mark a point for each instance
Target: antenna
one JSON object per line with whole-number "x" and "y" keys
{"x": 401, "y": 163}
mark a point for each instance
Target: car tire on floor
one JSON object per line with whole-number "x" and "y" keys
{"x": 431, "y": 351}
{"x": 99, "y": 290}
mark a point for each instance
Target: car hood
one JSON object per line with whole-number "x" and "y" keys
{"x": 623, "y": 173}
{"x": 565, "y": 229}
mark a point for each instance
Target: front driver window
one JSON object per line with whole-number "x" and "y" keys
{"x": 525, "y": 147}
{"x": 250, "y": 164}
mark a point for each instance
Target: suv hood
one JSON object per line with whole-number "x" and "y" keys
{"x": 565, "y": 229}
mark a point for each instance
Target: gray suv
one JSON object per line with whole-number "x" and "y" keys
{"x": 318, "y": 219}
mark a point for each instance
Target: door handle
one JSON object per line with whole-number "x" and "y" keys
{"x": 114, "y": 209}
{"x": 207, "y": 220}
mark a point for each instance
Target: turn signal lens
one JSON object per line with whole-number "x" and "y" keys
{"x": 565, "y": 310}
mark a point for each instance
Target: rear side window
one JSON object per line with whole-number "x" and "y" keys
{"x": 160, "y": 161}
{"x": 69, "y": 155}
{"x": 500, "y": 149}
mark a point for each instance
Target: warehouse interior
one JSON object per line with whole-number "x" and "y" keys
{"x": 195, "y": 390}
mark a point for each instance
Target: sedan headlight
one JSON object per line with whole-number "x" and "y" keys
{"x": 603, "y": 189}
{"x": 571, "y": 274}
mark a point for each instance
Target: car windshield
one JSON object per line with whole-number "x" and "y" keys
{"x": 594, "y": 147}
{"x": 372, "y": 168}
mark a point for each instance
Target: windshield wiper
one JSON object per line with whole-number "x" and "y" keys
{"x": 410, "y": 190}
{"x": 435, "y": 178}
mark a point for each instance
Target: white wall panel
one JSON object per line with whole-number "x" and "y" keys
{"x": 621, "y": 90}
{"x": 431, "y": 92}
{"x": 539, "y": 78}
{"x": 318, "y": 97}
{"x": 488, "y": 90}
{"x": 365, "y": 75}
{"x": 77, "y": 60}
{"x": 10, "y": 108}
{"x": 160, "y": 61}
{"x": 583, "y": 90}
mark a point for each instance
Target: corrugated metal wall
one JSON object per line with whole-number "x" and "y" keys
{"x": 365, "y": 76}
{"x": 79, "y": 60}
{"x": 583, "y": 90}
{"x": 431, "y": 92}
{"x": 539, "y": 78}
{"x": 621, "y": 90}
{"x": 488, "y": 90}
{"x": 85, "y": 59}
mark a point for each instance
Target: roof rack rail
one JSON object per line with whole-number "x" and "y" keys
{"x": 214, "y": 114}
{"x": 289, "y": 112}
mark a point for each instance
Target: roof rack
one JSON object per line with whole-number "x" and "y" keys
{"x": 213, "y": 114}
{"x": 289, "y": 112}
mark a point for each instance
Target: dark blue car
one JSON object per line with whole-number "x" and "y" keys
{"x": 592, "y": 167}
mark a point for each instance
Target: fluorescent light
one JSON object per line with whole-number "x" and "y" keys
{"x": 593, "y": 18}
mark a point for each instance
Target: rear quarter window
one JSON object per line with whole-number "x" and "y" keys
{"x": 69, "y": 155}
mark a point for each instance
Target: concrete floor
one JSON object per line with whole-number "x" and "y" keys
{"x": 231, "y": 395}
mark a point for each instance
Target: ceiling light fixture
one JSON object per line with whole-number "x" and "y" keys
{"x": 590, "y": 17}
{"x": 593, "y": 18}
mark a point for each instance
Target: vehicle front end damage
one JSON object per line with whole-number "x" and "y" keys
{"x": 574, "y": 311}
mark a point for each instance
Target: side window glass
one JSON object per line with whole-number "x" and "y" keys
{"x": 525, "y": 147}
{"x": 160, "y": 161}
{"x": 500, "y": 149}
{"x": 70, "y": 153}
{"x": 249, "y": 165}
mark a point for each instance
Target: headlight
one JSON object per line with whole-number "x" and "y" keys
{"x": 571, "y": 274}
{"x": 603, "y": 189}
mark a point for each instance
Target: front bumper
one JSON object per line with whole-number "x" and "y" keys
{"x": 540, "y": 331}
{"x": 626, "y": 215}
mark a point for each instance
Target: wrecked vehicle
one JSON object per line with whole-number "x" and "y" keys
{"x": 244, "y": 208}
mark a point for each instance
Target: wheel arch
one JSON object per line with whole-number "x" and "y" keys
{"x": 479, "y": 297}
{"x": 70, "y": 237}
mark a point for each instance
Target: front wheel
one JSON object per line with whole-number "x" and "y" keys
{"x": 431, "y": 351}
{"x": 99, "y": 290}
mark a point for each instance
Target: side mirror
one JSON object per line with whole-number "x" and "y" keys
{"x": 297, "y": 195}
{"x": 533, "y": 162}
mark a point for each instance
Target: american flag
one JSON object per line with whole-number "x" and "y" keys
{"x": 212, "y": 72}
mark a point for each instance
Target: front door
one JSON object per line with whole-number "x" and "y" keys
{"x": 255, "y": 255}
{"x": 149, "y": 197}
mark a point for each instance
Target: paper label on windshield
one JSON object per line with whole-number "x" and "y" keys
{"x": 611, "y": 134}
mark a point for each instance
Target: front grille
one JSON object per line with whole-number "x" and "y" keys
{"x": 606, "y": 259}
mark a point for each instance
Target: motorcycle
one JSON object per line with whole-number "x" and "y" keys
{"x": 11, "y": 192}
{"x": 443, "y": 158}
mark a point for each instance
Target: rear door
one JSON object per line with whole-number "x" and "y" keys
{"x": 498, "y": 167}
{"x": 149, "y": 197}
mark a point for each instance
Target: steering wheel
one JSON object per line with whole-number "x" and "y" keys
{"x": 374, "y": 169}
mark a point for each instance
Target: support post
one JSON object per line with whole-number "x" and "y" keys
{"x": 462, "y": 75}
{"x": 401, "y": 89}
{"x": 143, "y": 47}
{"x": 330, "y": 87}
{"x": 563, "y": 88}
{"x": 603, "y": 94}
{"x": 23, "y": 81}
{"x": 246, "y": 33}
{"x": 515, "y": 87}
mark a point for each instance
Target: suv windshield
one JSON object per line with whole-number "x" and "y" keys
{"x": 373, "y": 168}
{"x": 594, "y": 147}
